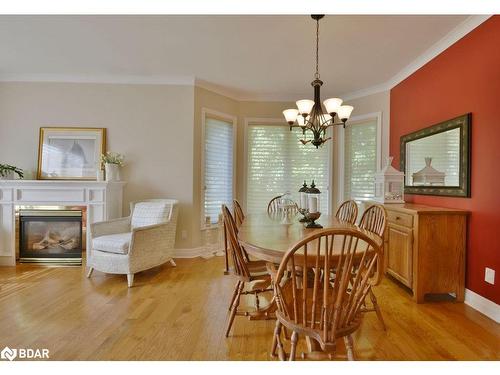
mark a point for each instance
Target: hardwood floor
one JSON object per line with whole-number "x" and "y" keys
{"x": 180, "y": 314}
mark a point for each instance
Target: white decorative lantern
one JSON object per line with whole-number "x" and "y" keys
{"x": 428, "y": 176}
{"x": 389, "y": 184}
{"x": 313, "y": 203}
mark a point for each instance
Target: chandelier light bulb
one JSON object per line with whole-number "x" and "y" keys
{"x": 344, "y": 112}
{"x": 290, "y": 115}
{"x": 305, "y": 106}
{"x": 332, "y": 105}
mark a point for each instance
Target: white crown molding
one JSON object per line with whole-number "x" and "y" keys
{"x": 465, "y": 27}
{"x": 483, "y": 305}
{"x": 437, "y": 48}
{"x": 113, "y": 79}
{"x": 449, "y": 39}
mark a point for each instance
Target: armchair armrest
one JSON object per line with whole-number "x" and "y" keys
{"x": 121, "y": 225}
{"x": 152, "y": 238}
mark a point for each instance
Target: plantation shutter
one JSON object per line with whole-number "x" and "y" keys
{"x": 277, "y": 162}
{"x": 218, "y": 167}
{"x": 360, "y": 160}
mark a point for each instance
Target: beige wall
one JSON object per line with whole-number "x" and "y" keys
{"x": 209, "y": 100}
{"x": 157, "y": 127}
{"x": 151, "y": 124}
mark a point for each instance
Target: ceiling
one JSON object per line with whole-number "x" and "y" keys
{"x": 246, "y": 56}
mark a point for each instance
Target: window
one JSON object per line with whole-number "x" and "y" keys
{"x": 360, "y": 159}
{"x": 218, "y": 166}
{"x": 277, "y": 162}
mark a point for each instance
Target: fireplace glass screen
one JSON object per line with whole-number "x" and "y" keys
{"x": 50, "y": 234}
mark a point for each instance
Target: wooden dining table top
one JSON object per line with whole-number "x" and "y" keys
{"x": 267, "y": 236}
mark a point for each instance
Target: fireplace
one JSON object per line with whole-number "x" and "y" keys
{"x": 52, "y": 236}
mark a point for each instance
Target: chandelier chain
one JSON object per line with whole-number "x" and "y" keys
{"x": 317, "y": 49}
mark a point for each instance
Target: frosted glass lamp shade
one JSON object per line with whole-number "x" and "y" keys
{"x": 290, "y": 115}
{"x": 304, "y": 106}
{"x": 301, "y": 121}
{"x": 344, "y": 112}
{"x": 332, "y": 105}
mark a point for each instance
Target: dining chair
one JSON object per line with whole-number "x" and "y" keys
{"x": 310, "y": 303}
{"x": 348, "y": 211}
{"x": 246, "y": 271}
{"x": 276, "y": 205}
{"x": 374, "y": 219}
{"x": 238, "y": 213}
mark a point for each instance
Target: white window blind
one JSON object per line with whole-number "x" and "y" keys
{"x": 360, "y": 160}
{"x": 218, "y": 167}
{"x": 277, "y": 162}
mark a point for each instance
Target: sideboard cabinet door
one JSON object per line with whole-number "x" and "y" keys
{"x": 399, "y": 249}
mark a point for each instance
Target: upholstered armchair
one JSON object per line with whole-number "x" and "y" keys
{"x": 141, "y": 241}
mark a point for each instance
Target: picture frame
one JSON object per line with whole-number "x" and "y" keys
{"x": 70, "y": 153}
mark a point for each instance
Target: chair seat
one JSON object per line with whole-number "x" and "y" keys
{"x": 257, "y": 268}
{"x": 113, "y": 243}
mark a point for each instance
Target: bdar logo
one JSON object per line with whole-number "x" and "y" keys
{"x": 8, "y": 353}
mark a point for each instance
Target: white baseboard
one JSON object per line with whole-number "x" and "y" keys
{"x": 202, "y": 251}
{"x": 483, "y": 305}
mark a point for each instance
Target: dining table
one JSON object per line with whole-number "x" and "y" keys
{"x": 268, "y": 237}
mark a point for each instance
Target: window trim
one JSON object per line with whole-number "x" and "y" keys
{"x": 249, "y": 121}
{"x": 341, "y": 149}
{"x": 210, "y": 113}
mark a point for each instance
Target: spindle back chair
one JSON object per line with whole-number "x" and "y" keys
{"x": 246, "y": 271}
{"x": 374, "y": 219}
{"x": 348, "y": 211}
{"x": 238, "y": 213}
{"x": 273, "y": 205}
{"x": 310, "y": 302}
{"x": 276, "y": 206}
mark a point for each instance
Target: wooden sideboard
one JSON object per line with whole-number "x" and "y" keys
{"x": 424, "y": 248}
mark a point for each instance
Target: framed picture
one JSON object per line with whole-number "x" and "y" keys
{"x": 70, "y": 153}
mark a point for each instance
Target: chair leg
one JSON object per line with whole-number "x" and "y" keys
{"x": 234, "y": 308}
{"x": 349, "y": 347}
{"x": 172, "y": 262}
{"x": 377, "y": 309}
{"x": 235, "y": 293}
{"x": 130, "y": 279}
{"x": 279, "y": 343}
{"x": 276, "y": 336}
{"x": 293, "y": 350}
{"x": 89, "y": 273}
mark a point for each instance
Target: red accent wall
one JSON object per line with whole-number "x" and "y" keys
{"x": 464, "y": 78}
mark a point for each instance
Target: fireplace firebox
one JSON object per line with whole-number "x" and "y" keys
{"x": 50, "y": 236}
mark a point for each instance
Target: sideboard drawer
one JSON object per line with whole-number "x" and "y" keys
{"x": 400, "y": 218}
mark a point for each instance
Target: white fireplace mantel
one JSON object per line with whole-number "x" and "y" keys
{"x": 102, "y": 199}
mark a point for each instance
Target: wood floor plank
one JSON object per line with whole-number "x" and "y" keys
{"x": 180, "y": 313}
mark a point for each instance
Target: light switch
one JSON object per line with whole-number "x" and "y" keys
{"x": 489, "y": 276}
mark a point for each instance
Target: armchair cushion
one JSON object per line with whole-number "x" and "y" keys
{"x": 113, "y": 243}
{"x": 149, "y": 213}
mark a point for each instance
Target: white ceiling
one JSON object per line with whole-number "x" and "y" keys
{"x": 246, "y": 56}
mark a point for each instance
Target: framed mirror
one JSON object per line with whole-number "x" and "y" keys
{"x": 436, "y": 160}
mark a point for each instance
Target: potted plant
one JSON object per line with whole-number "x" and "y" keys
{"x": 112, "y": 162}
{"x": 7, "y": 172}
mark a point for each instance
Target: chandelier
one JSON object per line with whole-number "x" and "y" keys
{"x": 309, "y": 115}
